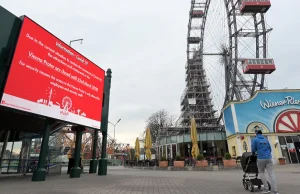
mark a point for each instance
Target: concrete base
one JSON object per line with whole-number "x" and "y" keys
{"x": 39, "y": 175}
{"x": 93, "y": 166}
{"x": 169, "y": 167}
{"x": 75, "y": 172}
{"x": 102, "y": 170}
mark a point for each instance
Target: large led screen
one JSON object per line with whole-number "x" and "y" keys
{"x": 49, "y": 78}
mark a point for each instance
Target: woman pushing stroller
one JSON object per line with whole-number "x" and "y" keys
{"x": 261, "y": 146}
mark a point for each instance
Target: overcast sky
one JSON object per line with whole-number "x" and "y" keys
{"x": 144, "y": 43}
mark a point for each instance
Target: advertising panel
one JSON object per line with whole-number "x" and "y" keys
{"x": 269, "y": 111}
{"x": 49, "y": 78}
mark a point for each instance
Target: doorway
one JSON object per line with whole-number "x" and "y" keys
{"x": 174, "y": 150}
{"x": 297, "y": 147}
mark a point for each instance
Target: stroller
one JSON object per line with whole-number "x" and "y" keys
{"x": 250, "y": 168}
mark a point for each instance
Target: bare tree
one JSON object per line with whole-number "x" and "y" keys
{"x": 159, "y": 119}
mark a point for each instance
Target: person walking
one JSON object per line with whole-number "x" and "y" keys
{"x": 262, "y": 147}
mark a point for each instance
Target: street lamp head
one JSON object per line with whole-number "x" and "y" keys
{"x": 119, "y": 120}
{"x": 189, "y": 146}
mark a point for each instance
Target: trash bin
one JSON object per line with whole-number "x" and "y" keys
{"x": 71, "y": 164}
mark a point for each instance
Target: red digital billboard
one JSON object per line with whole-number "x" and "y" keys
{"x": 49, "y": 78}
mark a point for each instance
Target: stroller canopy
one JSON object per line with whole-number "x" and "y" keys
{"x": 245, "y": 157}
{"x": 252, "y": 163}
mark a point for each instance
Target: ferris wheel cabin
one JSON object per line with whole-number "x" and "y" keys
{"x": 197, "y": 13}
{"x": 255, "y": 6}
{"x": 194, "y": 40}
{"x": 258, "y": 66}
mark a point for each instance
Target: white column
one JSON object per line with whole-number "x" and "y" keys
{"x": 236, "y": 129}
{"x": 272, "y": 148}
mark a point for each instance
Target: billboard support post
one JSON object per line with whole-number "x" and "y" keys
{"x": 102, "y": 170}
{"x": 93, "y": 162}
{"x": 76, "y": 170}
{"x": 40, "y": 173}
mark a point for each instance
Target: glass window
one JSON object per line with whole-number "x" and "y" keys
{"x": 1, "y": 145}
{"x": 289, "y": 139}
{"x": 180, "y": 138}
{"x": 218, "y": 136}
{"x": 173, "y": 139}
{"x": 187, "y": 138}
{"x": 233, "y": 150}
{"x": 281, "y": 140}
{"x": 205, "y": 148}
{"x": 203, "y": 136}
{"x": 295, "y": 138}
{"x": 168, "y": 140}
{"x": 210, "y": 136}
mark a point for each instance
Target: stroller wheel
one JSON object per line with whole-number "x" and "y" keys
{"x": 250, "y": 186}
{"x": 269, "y": 186}
{"x": 245, "y": 185}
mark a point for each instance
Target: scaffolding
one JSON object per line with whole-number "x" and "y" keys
{"x": 196, "y": 100}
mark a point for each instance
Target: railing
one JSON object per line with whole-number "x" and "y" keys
{"x": 110, "y": 162}
{"x": 22, "y": 166}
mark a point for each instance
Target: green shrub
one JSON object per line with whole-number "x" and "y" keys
{"x": 163, "y": 158}
{"x": 227, "y": 156}
{"x": 200, "y": 157}
{"x": 178, "y": 158}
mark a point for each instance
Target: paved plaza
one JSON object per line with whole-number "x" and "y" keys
{"x": 132, "y": 181}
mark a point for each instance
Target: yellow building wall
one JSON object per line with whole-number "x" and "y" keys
{"x": 235, "y": 146}
{"x": 233, "y": 141}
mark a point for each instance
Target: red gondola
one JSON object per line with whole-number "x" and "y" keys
{"x": 255, "y": 6}
{"x": 258, "y": 66}
{"x": 197, "y": 13}
{"x": 194, "y": 40}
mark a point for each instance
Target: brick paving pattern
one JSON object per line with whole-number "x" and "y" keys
{"x": 135, "y": 181}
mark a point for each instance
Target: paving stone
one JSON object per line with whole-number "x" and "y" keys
{"x": 139, "y": 181}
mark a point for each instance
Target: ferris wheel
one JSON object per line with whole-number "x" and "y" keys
{"x": 227, "y": 46}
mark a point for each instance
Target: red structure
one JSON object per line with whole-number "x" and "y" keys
{"x": 255, "y": 6}
{"x": 288, "y": 122}
{"x": 258, "y": 66}
{"x": 197, "y": 14}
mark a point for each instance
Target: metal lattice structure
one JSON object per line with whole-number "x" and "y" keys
{"x": 64, "y": 141}
{"x": 219, "y": 37}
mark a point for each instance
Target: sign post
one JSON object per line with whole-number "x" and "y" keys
{"x": 40, "y": 173}
{"x": 76, "y": 170}
{"x": 102, "y": 170}
{"x": 93, "y": 162}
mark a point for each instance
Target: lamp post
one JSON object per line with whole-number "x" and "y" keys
{"x": 214, "y": 152}
{"x": 76, "y": 41}
{"x": 114, "y": 131}
{"x": 189, "y": 146}
{"x": 245, "y": 146}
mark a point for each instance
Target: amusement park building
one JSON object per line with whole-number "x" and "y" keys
{"x": 276, "y": 113}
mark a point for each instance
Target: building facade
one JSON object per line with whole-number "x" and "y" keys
{"x": 276, "y": 113}
{"x": 211, "y": 144}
